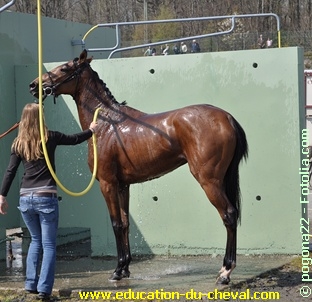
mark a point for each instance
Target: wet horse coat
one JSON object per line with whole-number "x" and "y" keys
{"x": 135, "y": 147}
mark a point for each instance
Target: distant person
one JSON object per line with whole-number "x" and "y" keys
{"x": 183, "y": 47}
{"x": 153, "y": 51}
{"x": 166, "y": 50}
{"x": 268, "y": 43}
{"x": 261, "y": 42}
{"x": 176, "y": 49}
{"x": 195, "y": 47}
{"x": 148, "y": 51}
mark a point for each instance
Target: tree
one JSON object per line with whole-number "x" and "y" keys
{"x": 295, "y": 16}
{"x": 164, "y": 31}
{"x": 236, "y": 40}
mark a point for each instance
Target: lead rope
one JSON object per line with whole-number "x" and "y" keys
{"x": 8, "y": 131}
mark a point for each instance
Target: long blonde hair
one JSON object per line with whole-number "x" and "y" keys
{"x": 27, "y": 144}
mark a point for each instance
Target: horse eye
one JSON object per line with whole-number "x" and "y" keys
{"x": 65, "y": 68}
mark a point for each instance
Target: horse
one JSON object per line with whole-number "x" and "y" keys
{"x": 135, "y": 147}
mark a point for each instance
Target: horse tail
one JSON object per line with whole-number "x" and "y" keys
{"x": 231, "y": 179}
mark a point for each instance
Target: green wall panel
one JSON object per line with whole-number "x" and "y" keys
{"x": 266, "y": 100}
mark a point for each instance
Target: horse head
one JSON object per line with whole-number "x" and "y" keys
{"x": 62, "y": 79}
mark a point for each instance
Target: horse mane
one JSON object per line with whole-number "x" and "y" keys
{"x": 106, "y": 89}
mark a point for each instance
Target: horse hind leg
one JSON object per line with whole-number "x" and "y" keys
{"x": 229, "y": 262}
{"x": 228, "y": 213}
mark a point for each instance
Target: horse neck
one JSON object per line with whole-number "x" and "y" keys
{"x": 93, "y": 93}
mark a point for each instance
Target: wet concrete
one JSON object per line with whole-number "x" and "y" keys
{"x": 77, "y": 271}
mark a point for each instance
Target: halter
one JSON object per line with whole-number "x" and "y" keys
{"x": 50, "y": 90}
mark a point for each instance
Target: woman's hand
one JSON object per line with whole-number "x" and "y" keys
{"x": 93, "y": 126}
{"x": 3, "y": 205}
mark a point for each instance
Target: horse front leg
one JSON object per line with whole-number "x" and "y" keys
{"x": 124, "y": 213}
{"x": 118, "y": 208}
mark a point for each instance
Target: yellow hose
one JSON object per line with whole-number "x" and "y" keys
{"x": 279, "y": 39}
{"x": 44, "y": 147}
{"x": 88, "y": 32}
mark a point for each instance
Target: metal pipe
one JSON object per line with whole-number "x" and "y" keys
{"x": 116, "y": 25}
{"x": 4, "y": 7}
{"x": 170, "y": 41}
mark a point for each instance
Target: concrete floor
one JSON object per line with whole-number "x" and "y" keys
{"x": 76, "y": 271}
{"x": 83, "y": 273}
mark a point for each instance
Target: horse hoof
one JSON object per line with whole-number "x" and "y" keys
{"x": 223, "y": 280}
{"x": 125, "y": 273}
{"x": 115, "y": 277}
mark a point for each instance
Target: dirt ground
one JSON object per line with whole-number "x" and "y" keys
{"x": 285, "y": 280}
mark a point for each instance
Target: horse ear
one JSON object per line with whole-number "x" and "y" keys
{"x": 83, "y": 56}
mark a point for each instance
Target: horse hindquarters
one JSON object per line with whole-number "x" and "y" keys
{"x": 217, "y": 172}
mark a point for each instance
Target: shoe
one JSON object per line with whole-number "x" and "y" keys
{"x": 43, "y": 297}
{"x": 34, "y": 292}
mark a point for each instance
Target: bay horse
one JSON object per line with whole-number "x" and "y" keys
{"x": 135, "y": 147}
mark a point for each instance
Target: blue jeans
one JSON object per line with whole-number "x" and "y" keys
{"x": 40, "y": 215}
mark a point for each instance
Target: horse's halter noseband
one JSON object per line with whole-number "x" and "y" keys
{"x": 50, "y": 90}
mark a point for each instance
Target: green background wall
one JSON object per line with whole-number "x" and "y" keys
{"x": 18, "y": 41}
{"x": 267, "y": 101}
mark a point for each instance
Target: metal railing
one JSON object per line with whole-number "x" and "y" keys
{"x": 116, "y": 48}
{"x": 6, "y": 6}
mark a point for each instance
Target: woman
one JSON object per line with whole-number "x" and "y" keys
{"x": 38, "y": 195}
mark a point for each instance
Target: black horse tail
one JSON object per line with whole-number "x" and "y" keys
{"x": 231, "y": 179}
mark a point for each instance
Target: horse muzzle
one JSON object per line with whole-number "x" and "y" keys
{"x": 34, "y": 89}
{"x": 46, "y": 91}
